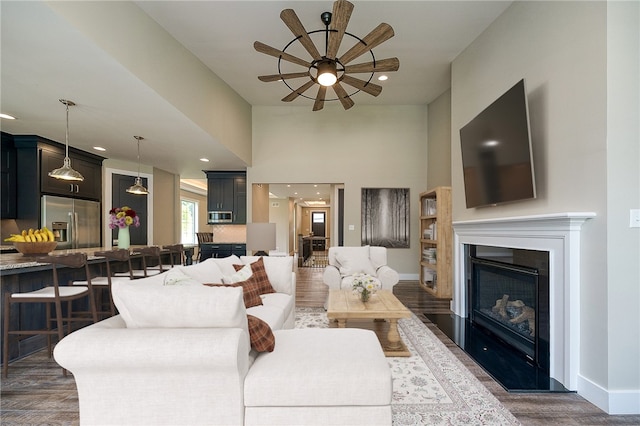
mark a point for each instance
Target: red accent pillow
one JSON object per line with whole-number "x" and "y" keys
{"x": 250, "y": 291}
{"x": 260, "y": 275}
{"x": 260, "y": 334}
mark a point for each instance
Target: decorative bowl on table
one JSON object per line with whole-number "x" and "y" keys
{"x": 37, "y": 248}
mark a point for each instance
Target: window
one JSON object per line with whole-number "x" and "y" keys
{"x": 189, "y": 213}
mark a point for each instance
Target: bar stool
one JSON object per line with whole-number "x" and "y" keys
{"x": 175, "y": 251}
{"x": 51, "y": 295}
{"x": 104, "y": 282}
{"x": 148, "y": 271}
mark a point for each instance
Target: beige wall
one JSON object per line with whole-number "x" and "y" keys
{"x": 166, "y": 208}
{"x": 439, "y": 145}
{"x": 279, "y": 214}
{"x": 260, "y": 204}
{"x": 560, "y": 48}
{"x": 365, "y": 147}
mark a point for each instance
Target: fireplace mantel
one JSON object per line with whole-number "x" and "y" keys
{"x": 557, "y": 233}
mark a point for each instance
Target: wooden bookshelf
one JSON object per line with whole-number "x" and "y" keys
{"x": 436, "y": 242}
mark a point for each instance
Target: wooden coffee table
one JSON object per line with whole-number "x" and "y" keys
{"x": 380, "y": 314}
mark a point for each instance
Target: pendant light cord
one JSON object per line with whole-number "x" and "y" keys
{"x": 66, "y": 138}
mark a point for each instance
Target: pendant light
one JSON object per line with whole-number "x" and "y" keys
{"x": 66, "y": 172}
{"x": 137, "y": 187}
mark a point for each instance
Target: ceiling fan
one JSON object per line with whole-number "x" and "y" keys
{"x": 328, "y": 69}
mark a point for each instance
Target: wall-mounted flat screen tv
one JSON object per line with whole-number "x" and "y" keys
{"x": 496, "y": 152}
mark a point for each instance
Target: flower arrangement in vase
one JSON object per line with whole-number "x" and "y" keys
{"x": 121, "y": 218}
{"x": 364, "y": 286}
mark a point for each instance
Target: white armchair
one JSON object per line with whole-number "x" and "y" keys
{"x": 344, "y": 262}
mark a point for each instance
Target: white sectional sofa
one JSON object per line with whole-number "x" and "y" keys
{"x": 179, "y": 352}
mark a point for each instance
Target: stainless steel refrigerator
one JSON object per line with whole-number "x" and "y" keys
{"x": 74, "y": 223}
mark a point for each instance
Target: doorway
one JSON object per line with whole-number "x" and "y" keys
{"x": 318, "y": 229}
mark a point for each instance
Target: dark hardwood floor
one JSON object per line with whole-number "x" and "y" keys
{"x": 36, "y": 392}
{"x": 529, "y": 408}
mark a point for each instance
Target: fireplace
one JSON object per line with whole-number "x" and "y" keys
{"x": 508, "y": 296}
{"x": 559, "y": 236}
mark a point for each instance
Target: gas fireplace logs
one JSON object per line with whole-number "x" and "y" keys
{"x": 515, "y": 312}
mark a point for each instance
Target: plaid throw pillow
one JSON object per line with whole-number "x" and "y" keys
{"x": 260, "y": 334}
{"x": 260, "y": 275}
{"x": 250, "y": 291}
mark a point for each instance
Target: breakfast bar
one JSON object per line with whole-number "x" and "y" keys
{"x": 20, "y": 273}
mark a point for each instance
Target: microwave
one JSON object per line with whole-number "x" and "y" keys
{"x": 220, "y": 217}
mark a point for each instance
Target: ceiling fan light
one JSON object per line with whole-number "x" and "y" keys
{"x": 327, "y": 74}
{"x": 137, "y": 188}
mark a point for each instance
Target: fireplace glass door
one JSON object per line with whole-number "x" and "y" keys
{"x": 504, "y": 300}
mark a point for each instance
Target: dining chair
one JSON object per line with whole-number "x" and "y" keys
{"x": 203, "y": 237}
{"x": 53, "y": 295}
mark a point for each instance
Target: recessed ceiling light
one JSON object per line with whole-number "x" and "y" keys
{"x": 204, "y": 160}
{"x": 382, "y": 77}
{"x": 99, "y": 148}
{"x": 7, "y": 116}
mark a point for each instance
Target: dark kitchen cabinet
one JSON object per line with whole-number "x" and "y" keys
{"x": 240, "y": 201}
{"x": 8, "y": 176}
{"x": 90, "y": 187}
{"x": 35, "y": 158}
{"x": 220, "y": 193}
{"x": 227, "y": 191}
{"x": 239, "y": 249}
{"x": 219, "y": 250}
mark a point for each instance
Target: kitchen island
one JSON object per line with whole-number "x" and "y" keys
{"x": 19, "y": 273}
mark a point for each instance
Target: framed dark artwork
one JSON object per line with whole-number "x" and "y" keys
{"x": 385, "y": 217}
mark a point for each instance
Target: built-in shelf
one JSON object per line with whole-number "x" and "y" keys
{"x": 435, "y": 242}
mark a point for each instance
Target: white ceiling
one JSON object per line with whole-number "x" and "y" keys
{"x": 44, "y": 58}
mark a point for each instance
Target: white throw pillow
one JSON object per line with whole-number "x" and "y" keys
{"x": 153, "y": 305}
{"x": 204, "y": 272}
{"x": 352, "y": 260}
{"x": 175, "y": 276}
{"x": 226, "y": 264}
{"x": 239, "y": 276}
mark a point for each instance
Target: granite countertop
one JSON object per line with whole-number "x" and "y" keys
{"x": 18, "y": 260}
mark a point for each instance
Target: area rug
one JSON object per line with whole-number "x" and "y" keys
{"x": 431, "y": 387}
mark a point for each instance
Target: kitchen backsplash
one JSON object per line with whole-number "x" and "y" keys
{"x": 229, "y": 233}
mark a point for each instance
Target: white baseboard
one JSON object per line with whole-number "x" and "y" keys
{"x": 611, "y": 402}
{"x": 409, "y": 277}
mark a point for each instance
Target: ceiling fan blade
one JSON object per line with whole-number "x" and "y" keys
{"x": 299, "y": 91}
{"x": 291, "y": 20}
{"x": 345, "y": 100}
{"x": 383, "y": 65}
{"x": 339, "y": 20}
{"x": 370, "y": 88}
{"x": 272, "y": 51}
{"x": 378, "y": 35}
{"x": 319, "y": 103}
{"x": 278, "y": 77}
